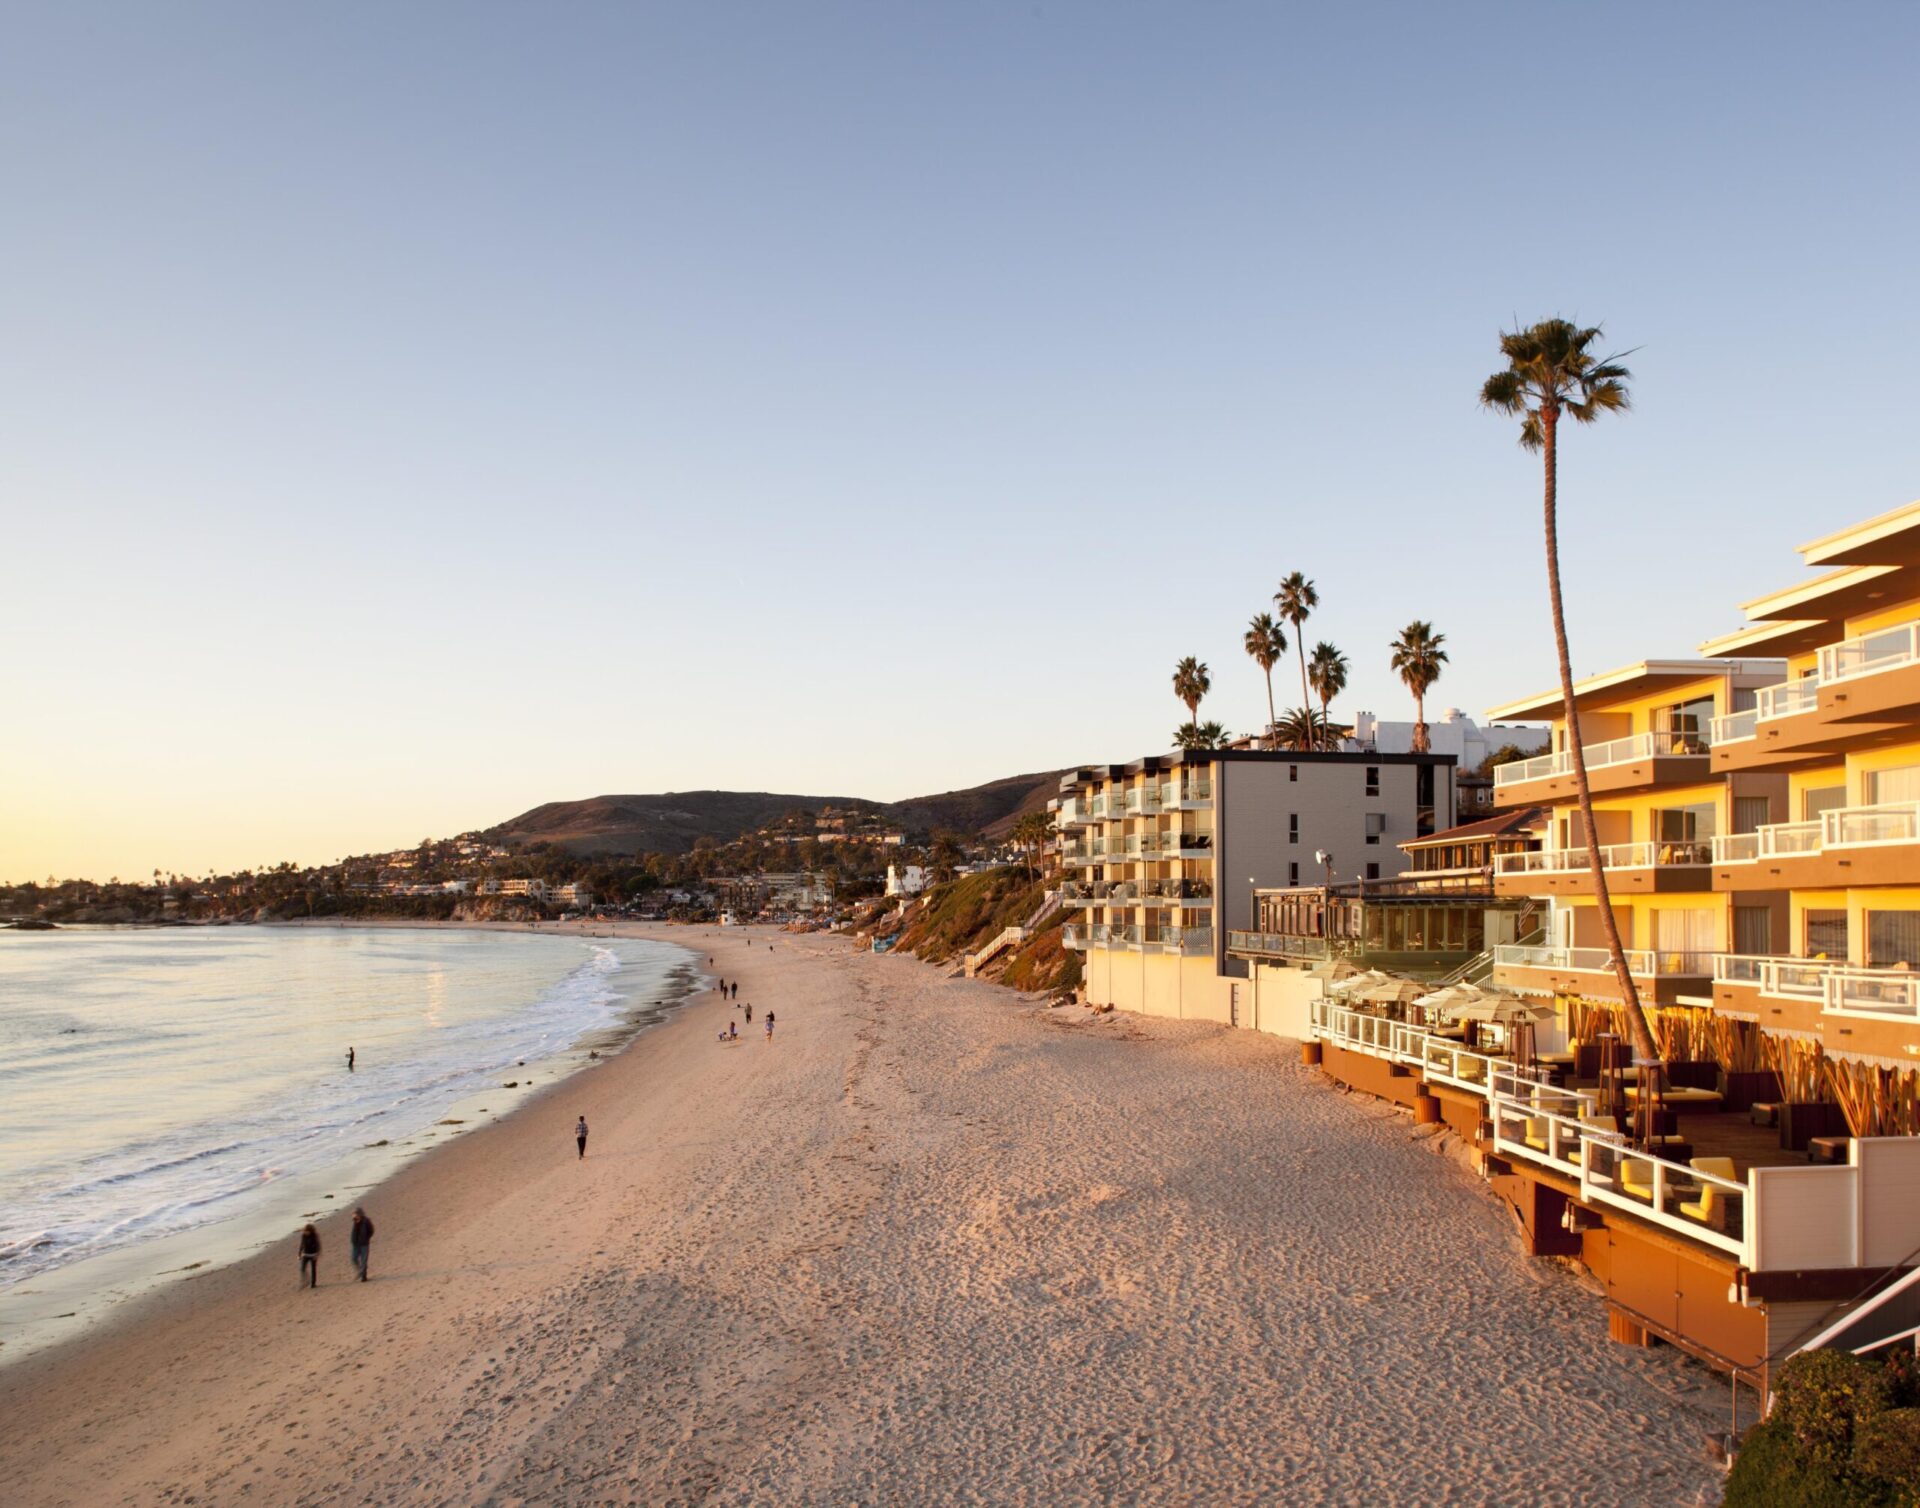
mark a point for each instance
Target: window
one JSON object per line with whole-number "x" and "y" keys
{"x": 1825, "y": 799}
{"x": 1293, "y": 772}
{"x": 1884, "y": 786}
{"x": 1376, "y": 825}
{"x": 1751, "y": 813}
{"x": 1893, "y": 939}
{"x": 1293, "y": 827}
{"x": 1373, "y": 780}
{"x": 1752, "y": 930}
{"x": 1826, "y": 934}
{"x": 1373, "y": 870}
{"x": 1293, "y": 873}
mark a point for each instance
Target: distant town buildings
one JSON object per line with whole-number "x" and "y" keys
{"x": 1452, "y": 732}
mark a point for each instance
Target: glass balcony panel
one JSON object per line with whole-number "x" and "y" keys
{"x": 1869, "y": 654}
{"x": 1787, "y": 698}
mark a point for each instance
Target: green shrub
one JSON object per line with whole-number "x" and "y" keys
{"x": 1887, "y": 1450}
{"x": 1824, "y": 1399}
{"x": 1771, "y": 1471}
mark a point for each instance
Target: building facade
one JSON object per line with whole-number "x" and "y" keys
{"x": 1164, "y": 856}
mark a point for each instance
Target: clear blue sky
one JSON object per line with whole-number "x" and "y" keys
{"x": 412, "y": 413}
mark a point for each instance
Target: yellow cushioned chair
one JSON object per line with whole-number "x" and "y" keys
{"x": 1711, "y": 1207}
{"x": 1537, "y": 1132}
{"x": 1636, "y": 1178}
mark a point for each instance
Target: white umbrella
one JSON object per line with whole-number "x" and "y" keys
{"x": 1354, "y": 983}
{"x": 1451, "y": 995}
{"x": 1501, "y": 1010}
{"x": 1390, "y": 992}
{"x": 1336, "y": 970}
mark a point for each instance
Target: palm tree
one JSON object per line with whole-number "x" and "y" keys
{"x": 1296, "y": 599}
{"x": 1306, "y": 728}
{"x": 1200, "y": 736}
{"x": 1327, "y": 671}
{"x": 1417, "y": 658}
{"x": 1031, "y": 832}
{"x": 1191, "y": 681}
{"x": 1266, "y": 641}
{"x": 1552, "y": 371}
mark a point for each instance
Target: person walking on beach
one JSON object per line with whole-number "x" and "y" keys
{"x": 749, "y": 1013}
{"x": 309, "y": 1257}
{"x": 736, "y": 989}
{"x": 580, "y": 1135}
{"x": 360, "y": 1239}
{"x": 769, "y": 1026}
{"x": 349, "y": 1060}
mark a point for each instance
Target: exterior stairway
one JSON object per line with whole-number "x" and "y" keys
{"x": 1008, "y": 936}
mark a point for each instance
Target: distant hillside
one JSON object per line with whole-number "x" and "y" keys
{"x": 673, "y": 822}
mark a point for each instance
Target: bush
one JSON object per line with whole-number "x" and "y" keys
{"x": 1824, "y": 1399}
{"x": 1772, "y": 1471}
{"x": 1887, "y": 1450}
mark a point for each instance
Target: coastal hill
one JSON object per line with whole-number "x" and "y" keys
{"x": 675, "y": 821}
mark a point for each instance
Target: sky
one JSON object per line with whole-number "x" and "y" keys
{"x": 412, "y": 414}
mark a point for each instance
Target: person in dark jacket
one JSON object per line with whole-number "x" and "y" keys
{"x": 580, "y": 1135}
{"x": 361, "y": 1240}
{"x": 309, "y": 1257}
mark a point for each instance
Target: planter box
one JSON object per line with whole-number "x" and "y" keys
{"x": 1745, "y": 1090}
{"x": 1801, "y": 1121}
{"x": 1699, "y": 1073}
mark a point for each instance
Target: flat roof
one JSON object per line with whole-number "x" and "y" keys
{"x": 1628, "y": 680}
{"x": 1835, "y": 594}
{"x": 1786, "y": 636}
{"x": 1174, "y": 759}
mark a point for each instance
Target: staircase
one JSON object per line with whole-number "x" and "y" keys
{"x": 1008, "y": 936}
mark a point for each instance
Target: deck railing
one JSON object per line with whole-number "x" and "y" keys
{"x": 1869, "y": 654}
{"x": 1736, "y": 727}
{"x": 1277, "y": 945}
{"x": 1663, "y": 744}
{"x": 1736, "y": 848}
{"x": 1680, "y": 853}
{"x": 1862, "y": 826}
{"x": 1650, "y": 963}
{"x": 1786, "y": 698}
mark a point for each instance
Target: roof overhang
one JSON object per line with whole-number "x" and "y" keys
{"x": 1891, "y": 539}
{"x": 1837, "y": 594}
{"x": 1787, "y": 636}
{"x": 1630, "y": 681}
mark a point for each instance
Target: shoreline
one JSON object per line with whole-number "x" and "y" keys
{"x": 97, "y": 1293}
{"x": 937, "y": 1242}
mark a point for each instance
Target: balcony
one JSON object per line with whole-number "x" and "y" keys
{"x": 1141, "y": 801}
{"x": 1621, "y": 764}
{"x": 1181, "y": 893}
{"x": 1190, "y": 942}
{"x": 1874, "y": 674}
{"x": 1092, "y": 851}
{"x": 1279, "y": 945}
{"x": 1660, "y": 975}
{"x": 1632, "y": 869}
{"x": 1186, "y": 796}
{"x": 1098, "y": 893}
{"x": 1848, "y": 845}
{"x": 1850, "y": 1007}
{"x": 1075, "y": 812}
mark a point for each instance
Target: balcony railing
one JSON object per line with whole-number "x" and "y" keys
{"x": 1886, "y": 993}
{"x": 1869, "y": 654}
{"x": 1559, "y": 1129}
{"x": 1837, "y": 987}
{"x": 1736, "y": 727}
{"x": 1787, "y": 698}
{"x": 1786, "y": 840}
{"x": 1277, "y": 945}
{"x": 1093, "y": 851}
{"x": 1863, "y": 826}
{"x": 1736, "y": 848}
{"x": 1185, "y": 940}
{"x": 1681, "y": 853}
{"x": 1658, "y": 745}
{"x": 1074, "y": 812}
{"x": 1142, "y": 801}
{"x": 1174, "y": 793}
{"x": 1645, "y": 963}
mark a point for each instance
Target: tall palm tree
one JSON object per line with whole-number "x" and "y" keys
{"x": 1266, "y": 641}
{"x": 1327, "y": 671}
{"x": 1191, "y": 681}
{"x": 1296, "y": 599}
{"x": 1417, "y": 658}
{"x": 1551, "y": 372}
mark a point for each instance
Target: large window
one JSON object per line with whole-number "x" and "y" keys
{"x": 1689, "y": 720}
{"x": 1826, "y": 933}
{"x": 1893, "y": 939}
{"x": 1887, "y": 786}
{"x": 1823, "y": 799}
{"x": 1753, "y": 930}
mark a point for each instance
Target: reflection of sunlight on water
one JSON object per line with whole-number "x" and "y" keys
{"x": 436, "y": 987}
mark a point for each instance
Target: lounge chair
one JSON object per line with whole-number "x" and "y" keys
{"x": 1710, "y": 1207}
{"x": 1538, "y": 1132}
{"x": 1636, "y": 1178}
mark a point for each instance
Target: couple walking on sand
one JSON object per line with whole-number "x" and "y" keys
{"x": 359, "y": 1239}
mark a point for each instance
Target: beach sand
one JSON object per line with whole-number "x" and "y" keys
{"x": 934, "y": 1243}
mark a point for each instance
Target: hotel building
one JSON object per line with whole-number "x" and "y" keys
{"x": 1164, "y": 856}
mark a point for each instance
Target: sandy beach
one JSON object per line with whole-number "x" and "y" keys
{"x": 933, "y": 1243}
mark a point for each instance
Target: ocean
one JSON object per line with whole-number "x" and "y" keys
{"x": 160, "y": 1081}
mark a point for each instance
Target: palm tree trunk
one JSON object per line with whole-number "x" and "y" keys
{"x": 1419, "y": 722}
{"x": 1300, "y": 644}
{"x": 1643, "y": 1043}
{"x": 1271, "y": 719}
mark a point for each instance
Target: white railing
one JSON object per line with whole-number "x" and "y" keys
{"x": 1277, "y": 945}
{"x": 1558, "y": 1128}
{"x": 1869, "y": 654}
{"x": 1787, "y": 698}
{"x": 1861, "y": 826}
{"x": 1786, "y": 840}
{"x": 1650, "y": 963}
{"x": 1736, "y": 848}
{"x": 1885, "y": 994}
{"x": 1736, "y": 727}
{"x": 1193, "y": 793}
{"x": 1693, "y": 852}
{"x": 1094, "y": 851}
{"x": 1142, "y": 801}
{"x": 1075, "y": 937}
{"x": 1658, "y": 745}
{"x": 1073, "y": 812}
{"x": 1739, "y": 968}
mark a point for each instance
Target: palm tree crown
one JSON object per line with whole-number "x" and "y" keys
{"x": 1552, "y": 370}
{"x": 1266, "y": 641}
{"x": 1327, "y": 673}
{"x": 1200, "y": 736}
{"x": 1296, "y": 599}
{"x": 1417, "y": 658}
{"x": 1191, "y": 681}
{"x": 1306, "y": 728}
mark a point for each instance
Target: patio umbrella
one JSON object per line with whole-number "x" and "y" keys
{"x": 1450, "y": 995}
{"x": 1499, "y": 1010}
{"x": 1335, "y": 970}
{"x": 1354, "y": 983}
{"x": 1390, "y": 992}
